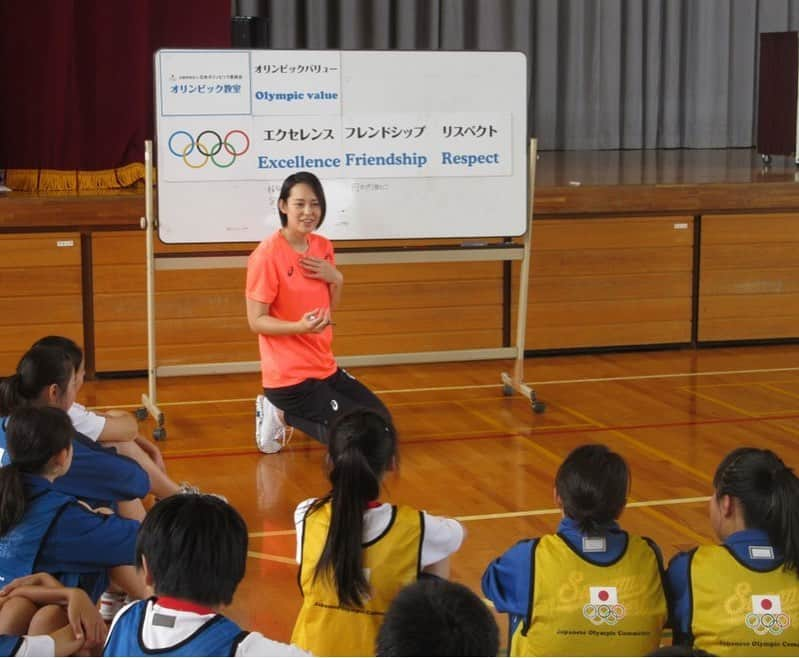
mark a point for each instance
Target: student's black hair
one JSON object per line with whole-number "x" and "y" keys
{"x": 34, "y": 435}
{"x": 362, "y": 445}
{"x": 436, "y": 617}
{"x": 768, "y": 492}
{"x": 196, "y": 548}
{"x": 309, "y": 179}
{"x": 592, "y": 483}
{"x": 69, "y": 346}
{"x": 38, "y": 368}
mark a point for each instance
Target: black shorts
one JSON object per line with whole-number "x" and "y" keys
{"x": 313, "y": 404}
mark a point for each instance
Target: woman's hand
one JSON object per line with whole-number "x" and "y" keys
{"x": 152, "y": 451}
{"x": 34, "y": 580}
{"x": 85, "y": 619}
{"x": 315, "y": 321}
{"x": 319, "y": 268}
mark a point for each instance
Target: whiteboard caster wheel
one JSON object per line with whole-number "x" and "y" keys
{"x": 140, "y": 413}
{"x": 507, "y": 390}
{"x": 159, "y": 433}
{"x": 539, "y": 407}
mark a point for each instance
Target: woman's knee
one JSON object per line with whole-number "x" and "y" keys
{"x": 48, "y": 619}
{"x": 16, "y": 615}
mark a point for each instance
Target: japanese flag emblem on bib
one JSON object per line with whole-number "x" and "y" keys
{"x": 767, "y": 616}
{"x": 766, "y": 604}
{"x": 603, "y": 606}
{"x": 606, "y": 595}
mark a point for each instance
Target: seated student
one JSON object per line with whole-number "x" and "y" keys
{"x": 436, "y": 617}
{"x": 116, "y": 428}
{"x": 192, "y": 550}
{"x": 43, "y": 529}
{"x": 356, "y": 553}
{"x": 742, "y": 597}
{"x": 590, "y": 589}
{"x": 99, "y": 476}
{"x": 86, "y": 629}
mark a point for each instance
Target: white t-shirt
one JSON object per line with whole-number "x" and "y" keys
{"x": 36, "y": 645}
{"x": 86, "y": 422}
{"x": 442, "y": 536}
{"x": 156, "y": 637}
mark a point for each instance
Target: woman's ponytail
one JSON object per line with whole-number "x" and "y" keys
{"x": 362, "y": 446}
{"x": 34, "y": 435}
{"x": 592, "y": 483}
{"x": 768, "y": 492}
{"x": 784, "y": 520}
{"x": 40, "y": 367}
{"x": 12, "y": 497}
{"x": 10, "y": 396}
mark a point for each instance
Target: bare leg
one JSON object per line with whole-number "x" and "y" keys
{"x": 48, "y": 619}
{"x": 128, "y": 579}
{"x": 440, "y": 568}
{"x": 16, "y": 615}
{"x": 160, "y": 483}
{"x": 132, "y": 509}
{"x": 67, "y": 645}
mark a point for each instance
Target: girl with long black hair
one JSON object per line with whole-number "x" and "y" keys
{"x": 46, "y": 530}
{"x": 355, "y": 552}
{"x": 742, "y": 597}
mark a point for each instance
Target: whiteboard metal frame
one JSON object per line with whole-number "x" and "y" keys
{"x": 513, "y": 252}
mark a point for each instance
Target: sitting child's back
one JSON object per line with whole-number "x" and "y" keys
{"x": 591, "y": 588}
{"x": 193, "y": 551}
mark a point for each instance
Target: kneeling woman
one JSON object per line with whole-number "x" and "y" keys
{"x": 293, "y": 286}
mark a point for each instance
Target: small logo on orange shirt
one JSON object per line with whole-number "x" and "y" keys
{"x": 291, "y": 270}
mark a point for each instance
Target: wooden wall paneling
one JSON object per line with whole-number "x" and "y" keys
{"x": 606, "y": 282}
{"x": 200, "y": 314}
{"x": 419, "y": 307}
{"x": 749, "y": 277}
{"x": 41, "y": 282}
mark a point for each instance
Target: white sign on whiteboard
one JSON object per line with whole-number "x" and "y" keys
{"x": 407, "y": 144}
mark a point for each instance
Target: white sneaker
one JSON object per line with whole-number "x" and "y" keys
{"x": 111, "y": 603}
{"x": 270, "y": 433}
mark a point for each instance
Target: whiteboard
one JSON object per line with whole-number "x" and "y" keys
{"x": 407, "y": 144}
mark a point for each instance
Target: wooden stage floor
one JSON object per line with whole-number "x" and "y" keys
{"x": 468, "y": 451}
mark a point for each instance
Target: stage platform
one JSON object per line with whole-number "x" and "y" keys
{"x": 567, "y": 183}
{"x": 657, "y": 181}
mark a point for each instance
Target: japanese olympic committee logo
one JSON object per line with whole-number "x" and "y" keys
{"x": 603, "y": 607}
{"x": 209, "y": 145}
{"x": 767, "y": 615}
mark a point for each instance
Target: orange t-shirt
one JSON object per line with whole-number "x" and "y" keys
{"x": 275, "y": 277}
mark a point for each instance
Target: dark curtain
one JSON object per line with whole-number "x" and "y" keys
{"x": 602, "y": 74}
{"x": 77, "y": 76}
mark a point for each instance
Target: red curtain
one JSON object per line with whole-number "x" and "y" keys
{"x": 77, "y": 76}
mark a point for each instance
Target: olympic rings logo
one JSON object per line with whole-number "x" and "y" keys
{"x": 604, "y": 613}
{"x": 208, "y": 144}
{"x": 773, "y": 623}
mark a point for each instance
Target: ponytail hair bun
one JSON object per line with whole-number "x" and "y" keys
{"x": 592, "y": 484}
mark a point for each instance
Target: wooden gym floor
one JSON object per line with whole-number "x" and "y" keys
{"x": 470, "y": 452}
